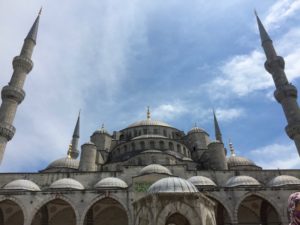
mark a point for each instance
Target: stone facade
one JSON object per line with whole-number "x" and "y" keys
{"x": 149, "y": 173}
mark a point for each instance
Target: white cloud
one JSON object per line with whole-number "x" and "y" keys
{"x": 229, "y": 114}
{"x": 244, "y": 74}
{"x": 273, "y": 156}
{"x": 169, "y": 111}
{"x": 280, "y": 11}
{"x": 241, "y": 75}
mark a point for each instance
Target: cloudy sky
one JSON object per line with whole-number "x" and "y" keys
{"x": 112, "y": 58}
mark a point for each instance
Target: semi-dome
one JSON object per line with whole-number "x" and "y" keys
{"x": 22, "y": 185}
{"x": 67, "y": 183}
{"x": 172, "y": 184}
{"x": 155, "y": 168}
{"x": 242, "y": 181}
{"x": 283, "y": 180}
{"x": 66, "y": 162}
{"x": 111, "y": 182}
{"x": 149, "y": 122}
{"x": 201, "y": 181}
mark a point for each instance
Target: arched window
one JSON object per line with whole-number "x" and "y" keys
{"x": 133, "y": 146}
{"x": 178, "y": 148}
{"x": 184, "y": 151}
{"x": 152, "y": 145}
{"x": 171, "y": 146}
{"x": 142, "y": 144}
{"x": 165, "y": 133}
{"x": 135, "y": 133}
{"x": 161, "y": 145}
{"x": 118, "y": 151}
{"x": 153, "y": 159}
{"x": 125, "y": 148}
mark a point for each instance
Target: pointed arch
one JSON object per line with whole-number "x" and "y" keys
{"x": 265, "y": 200}
{"x": 12, "y": 211}
{"x": 55, "y": 199}
{"x": 226, "y": 208}
{"x": 100, "y": 198}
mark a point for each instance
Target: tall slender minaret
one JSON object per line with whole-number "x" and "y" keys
{"x": 285, "y": 93}
{"x": 218, "y": 133}
{"x": 13, "y": 94}
{"x": 73, "y": 150}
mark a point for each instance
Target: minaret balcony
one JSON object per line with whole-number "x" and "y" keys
{"x": 286, "y": 91}
{"x": 13, "y": 93}
{"x": 23, "y": 63}
{"x": 7, "y": 130}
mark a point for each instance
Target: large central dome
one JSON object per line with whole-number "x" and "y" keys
{"x": 149, "y": 122}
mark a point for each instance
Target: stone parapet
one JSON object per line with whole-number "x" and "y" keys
{"x": 10, "y": 92}
{"x": 23, "y": 62}
{"x": 286, "y": 91}
{"x": 7, "y": 130}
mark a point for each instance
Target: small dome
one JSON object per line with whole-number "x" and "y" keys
{"x": 283, "y": 180}
{"x": 172, "y": 184}
{"x": 155, "y": 168}
{"x": 102, "y": 130}
{"x": 22, "y": 185}
{"x": 65, "y": 162}
{"x": 234, "y": 161}
{"x": 111, "y": 182}
{"x": 149, "y": 122}
{"x": 67, "y": 183}
{"x": 196, "y": 130}
{"x": 201, "y": 181}
{"x": 242, "y": 181}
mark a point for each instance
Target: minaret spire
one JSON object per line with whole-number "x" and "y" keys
{"x": 73, "y": 151}
{"x": 218, "y": 133}
{"x": 148, "y": 113}
{"x": 13, "y": 94}
{"x": 285, "y": 93}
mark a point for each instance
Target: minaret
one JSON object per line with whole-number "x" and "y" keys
{"x": 232, "y": 151}
{"x": 13, "y": 94}
{"x": 285, "y": 93}
{"x": 73, "y": 151}
{"x": 218, "y": 133}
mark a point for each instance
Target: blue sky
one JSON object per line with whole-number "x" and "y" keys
{"x": 182, "y": 58}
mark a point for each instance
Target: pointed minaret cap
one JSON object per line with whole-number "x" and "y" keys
{"x": 218, "y": 133}
{"x": 34, "y": 29}
{"x": 264, "y": 36}
{"x": 231, "y": 148}
{"x": 148, "y": 113}
{"x": 76, "y": 130}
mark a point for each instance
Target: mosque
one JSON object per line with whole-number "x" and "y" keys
{"x": 148, "y": 173}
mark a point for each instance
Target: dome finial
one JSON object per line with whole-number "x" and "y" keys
{"x": 231, "y": 148}
{"x": 148, "y": 113}
{"x": 102, "y": 126}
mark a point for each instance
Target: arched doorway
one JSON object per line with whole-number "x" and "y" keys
{"x": 222, "y": 217}
{"x": 257, "y": 211}
{"x": 10, "y": 213}
{"x": 106, "y": 211}
{"x": 177, "y": 219}
{"x": 55, "y": 212}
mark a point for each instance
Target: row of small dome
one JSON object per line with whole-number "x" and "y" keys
{"x": 113, "y": 182}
